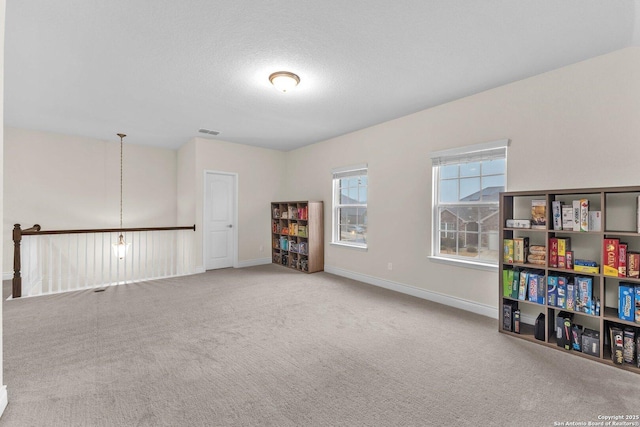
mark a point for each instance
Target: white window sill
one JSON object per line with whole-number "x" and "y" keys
{"x": 464, "y": 263}
{"x": 345, "y": 245}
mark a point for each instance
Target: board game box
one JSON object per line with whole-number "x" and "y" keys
{"x": 539, "y": 214}
{"x": 626, "y": 301}
{"x": 563, "y": 329}
{"x": 552, "y": 290}
{"x": 610, "y": 255}
{"x": 629, "y": 344}
{"x": 617, "y": 345}
{"x": 508, "y": 307}
{"x": 633, "y": 264}
{"x": 591, "y": 342}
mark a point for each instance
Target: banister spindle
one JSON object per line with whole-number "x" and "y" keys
{"x": 167, "y": 252}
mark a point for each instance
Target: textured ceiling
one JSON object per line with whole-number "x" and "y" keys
{"x": 160, "y": 70}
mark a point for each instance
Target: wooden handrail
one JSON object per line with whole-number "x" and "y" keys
{"x": 36, "y": 231}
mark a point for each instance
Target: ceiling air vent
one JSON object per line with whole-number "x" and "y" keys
{"x": 210, "y": 132}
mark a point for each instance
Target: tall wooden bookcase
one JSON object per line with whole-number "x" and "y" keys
{"x": 297, "y": 235}
{"x": 618, "y": 208}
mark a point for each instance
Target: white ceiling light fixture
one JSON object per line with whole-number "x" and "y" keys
{"x": 284, "y": 81}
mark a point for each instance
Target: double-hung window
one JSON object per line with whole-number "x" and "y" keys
{"x": 467, "y": 182}
{"x": 350, "y": 206}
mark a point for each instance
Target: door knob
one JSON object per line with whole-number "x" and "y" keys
{"x": 230, "y": 226}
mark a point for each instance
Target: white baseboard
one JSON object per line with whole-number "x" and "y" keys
{"x": 253, "y": 262}
{"x": 4, "y": 399}
{"x": 241, "y": 264}
{"x": 7, "y": 276}
{"x": 474, "y": 307}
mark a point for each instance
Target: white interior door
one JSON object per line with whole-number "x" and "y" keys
{"x": 219, "y": 220}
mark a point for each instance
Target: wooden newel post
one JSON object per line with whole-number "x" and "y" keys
{"x": 17, "y": 238}
{"x": 17, "y": 280}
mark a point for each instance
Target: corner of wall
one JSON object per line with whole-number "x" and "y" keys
{"x": 3, "y": 389}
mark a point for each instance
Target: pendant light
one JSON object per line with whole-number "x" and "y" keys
{"x": 120, "y": 249}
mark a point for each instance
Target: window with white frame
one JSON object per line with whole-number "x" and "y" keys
{"x": 467, "y": 182}
{"x": 350, "y": 206}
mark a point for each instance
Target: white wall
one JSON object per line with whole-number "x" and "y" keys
{"x": 562, "y": 124}
{"x": 3, "y": 232}
{"x": 70, "y": 182}
{"x": 261, "y": 180}
{"x": 573, "y": 127}
{"x": 186, "y": 197}
{"x": 64, "y": 181}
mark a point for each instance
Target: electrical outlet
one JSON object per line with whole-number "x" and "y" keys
{"x": 390, "y": 266}
{"x": 261, "y": 248}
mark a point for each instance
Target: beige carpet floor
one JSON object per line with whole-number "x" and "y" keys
{"x": 266, "y": 346}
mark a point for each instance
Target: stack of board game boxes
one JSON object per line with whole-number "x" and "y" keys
{"x": 618, "y": 260}
{"x": 625, "y": 345}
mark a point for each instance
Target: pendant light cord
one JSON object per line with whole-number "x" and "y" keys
{"x": 121, "y": 135}
{"x": 121, "y": 183}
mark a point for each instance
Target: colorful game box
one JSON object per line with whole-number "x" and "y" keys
{"x": 586, "y": 269}
{"x": 553, "y": 252}
{"x": 584, "y": 288}
{"x": 617, "y": 345}
{"x": 516, "y": 284}
{"x": 556, "y": 210}
{"x": 637, "y": 301}
{"x": 626, "y": 301}
{"x": 533, "y": 287}
{"x": 541, "y": 289}
{"x": 633, "y": 264}
{"x": 522, "y": 286}
{"x": 563, "y": 330}
{"x": 584, "y": 214}
{"x": 539, "y": 214}
{"x": 552, "y": 290}
{"x": 576, "y": 337}
{"x": 622, "y": 259}
{"x": 610, "y": 256}
{"x": 629, "y": 343}
{"x": 507, "y": 282}
{"x": 564, "y": 244}
{"x": 508, "y": 251}
{"x": 576, "y": 215}
{"x": 586, "y": 263}
{"x": 561, "y": 298}
{"x": 571, "y": 296}
{"x": 520, "y": 249}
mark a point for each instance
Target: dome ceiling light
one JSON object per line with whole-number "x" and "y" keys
{"x": 284, "y": 81}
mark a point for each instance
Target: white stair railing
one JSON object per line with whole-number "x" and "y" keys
{"x": 68, "y": 260}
